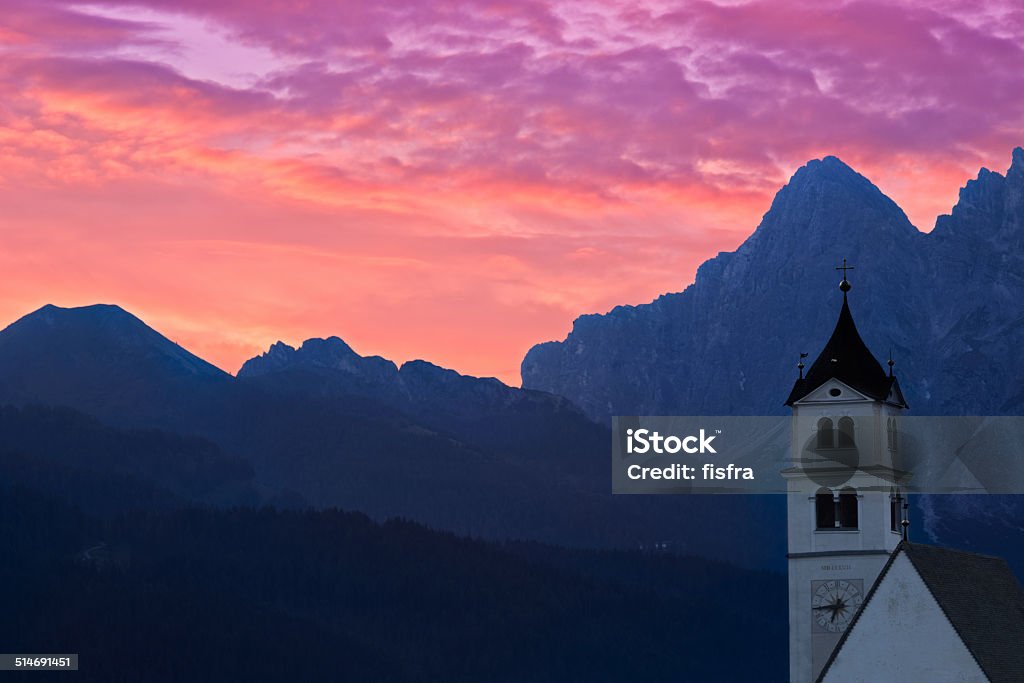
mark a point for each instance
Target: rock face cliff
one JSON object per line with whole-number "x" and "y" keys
{"x": 948, "y": 304}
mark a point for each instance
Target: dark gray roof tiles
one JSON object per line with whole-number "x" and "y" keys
{"x": 980, "y": 596}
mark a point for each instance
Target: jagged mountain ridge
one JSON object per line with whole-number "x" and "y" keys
{"x": 530, "y": 426}
{"x": 330, "y": 367}
{"x": 949, "y": 305}
{"x": 322, "y": 426}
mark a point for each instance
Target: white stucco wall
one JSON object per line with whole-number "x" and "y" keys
{"x": 832, "y": 554}
{"x": 902, "y": 635}
{"x": 809, "y": 648}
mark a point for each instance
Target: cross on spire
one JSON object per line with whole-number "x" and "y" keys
{"x": 845, "y": 284}
{"x": 844, "y": 268}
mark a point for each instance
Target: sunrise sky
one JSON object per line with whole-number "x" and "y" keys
{"x": 455, "y": 181}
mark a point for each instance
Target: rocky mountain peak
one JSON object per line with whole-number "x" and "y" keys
{"x": 1017, "y": 161}
{"x": 108, "y": 315}
{"x": 73, "y": 356}
{"x": 1015, "y": 177}
{"x": 331, "y": 353}
{"x": 729, "y": 343}
{"x": 827, "y": 209}
{"x": 280, "y": 350}
{"x": 330, "y": 347}
{"x": 278, "y": 356}
{"x": 822, "y": 207}
{"x": 830, "y": 174}
{"x": 426, "y": 372}
{"x": 105, "y": 331}
{"x": 983, "y": 192}
{"x": 990, "y": 209}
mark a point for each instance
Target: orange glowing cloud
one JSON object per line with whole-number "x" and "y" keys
{"x": 451, "y": 182}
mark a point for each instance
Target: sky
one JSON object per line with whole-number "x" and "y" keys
{"x": 456, "y": 181}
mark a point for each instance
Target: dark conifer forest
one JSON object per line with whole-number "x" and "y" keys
{"x": 110, "y": 552}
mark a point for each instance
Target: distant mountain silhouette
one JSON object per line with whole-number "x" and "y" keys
{"x": 533, "y": 425}
{"x": 560, "y": 457}
{"x": 103, "y": 536}
{"x": 75, "y": 356}
{"x": 949, "y": 305}
{"x": 323, "y": 426}
{"x": 328, "y": 366}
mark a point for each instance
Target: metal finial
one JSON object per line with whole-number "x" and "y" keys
{"x": 844, "y": 286}
{"x": 891, "y": 362}
{"x": 800, "y": 365}
{"x": 906, "y": 522}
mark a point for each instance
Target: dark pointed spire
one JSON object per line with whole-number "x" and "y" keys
{"x": 846, "y": 358}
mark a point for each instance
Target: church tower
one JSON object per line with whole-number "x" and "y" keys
{"x": 845, "y": 510}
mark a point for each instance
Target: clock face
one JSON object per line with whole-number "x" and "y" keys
{"x": 834, "y": 602}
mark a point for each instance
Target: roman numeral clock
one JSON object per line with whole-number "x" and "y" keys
{"x": 834, "y": 603}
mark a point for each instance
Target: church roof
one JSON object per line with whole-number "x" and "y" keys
{"x": 980, "y": 597}
{"x": 847, "y": 358}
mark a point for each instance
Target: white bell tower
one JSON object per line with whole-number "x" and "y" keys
{"x": 845, "y": 510}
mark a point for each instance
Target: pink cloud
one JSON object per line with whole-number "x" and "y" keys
{"x": 38, "y": 24}
{"x": 457, "y": 180}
